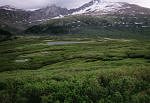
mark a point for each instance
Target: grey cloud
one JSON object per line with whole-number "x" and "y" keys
{"x": 32, "y": 4}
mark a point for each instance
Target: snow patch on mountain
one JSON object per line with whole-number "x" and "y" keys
{"x": 102, "y": 6}
{"x": 33, "y": 9}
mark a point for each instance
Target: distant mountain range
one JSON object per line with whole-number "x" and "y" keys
{"x": 13, "y": 19}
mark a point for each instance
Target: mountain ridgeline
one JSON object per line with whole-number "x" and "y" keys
{"x": 95, "y": 17}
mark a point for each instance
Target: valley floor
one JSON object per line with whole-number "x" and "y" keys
{"x": 93, "y": 70}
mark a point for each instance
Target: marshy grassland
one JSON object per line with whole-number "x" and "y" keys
{"x": 97, "y": 70}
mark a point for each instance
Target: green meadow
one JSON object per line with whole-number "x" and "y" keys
{"x": 95, "y": 70}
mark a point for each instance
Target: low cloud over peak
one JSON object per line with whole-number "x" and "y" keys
{"x": 33, "y": 4}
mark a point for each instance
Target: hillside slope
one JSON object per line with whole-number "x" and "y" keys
{"x": 95, "y": 25}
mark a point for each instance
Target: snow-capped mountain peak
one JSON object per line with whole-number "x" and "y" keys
{"x": 100, "y": 6}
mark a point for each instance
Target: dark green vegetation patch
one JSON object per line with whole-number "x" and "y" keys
{"x": 5, "y": 35}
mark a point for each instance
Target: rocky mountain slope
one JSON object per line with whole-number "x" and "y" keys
{"x": 15, "y": 15}
{"x": 48, "y": 12}
{"x": 13, "y": 18}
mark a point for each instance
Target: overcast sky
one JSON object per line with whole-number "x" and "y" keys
{"x": 33, "y": 4}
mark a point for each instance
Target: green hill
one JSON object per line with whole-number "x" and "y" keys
{"x": 107, "y": 26}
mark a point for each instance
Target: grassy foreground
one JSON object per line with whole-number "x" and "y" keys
{"x": 101, "y": 70}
